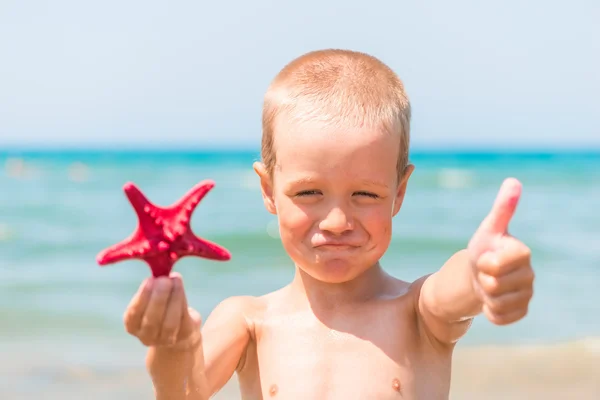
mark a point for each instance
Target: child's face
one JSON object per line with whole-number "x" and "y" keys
{"x": 335, "y": 194}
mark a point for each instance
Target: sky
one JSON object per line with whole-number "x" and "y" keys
{"x": 512, "y": 74}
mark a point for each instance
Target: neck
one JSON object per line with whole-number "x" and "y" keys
{"x": 324, "y": 295}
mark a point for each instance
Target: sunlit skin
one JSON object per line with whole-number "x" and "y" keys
{"x": 335, "y": 201}
{"x": 343, "y": 328}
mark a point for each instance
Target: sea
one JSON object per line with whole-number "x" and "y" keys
{"x": 61, "y": 330}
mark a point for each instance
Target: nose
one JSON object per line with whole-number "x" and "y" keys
{"x": 337, "y": 221}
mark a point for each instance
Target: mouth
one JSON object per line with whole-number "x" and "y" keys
{"x": 335, "y": 247}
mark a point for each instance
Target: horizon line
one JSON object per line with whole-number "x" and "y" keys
{"x": 491, "y": 150}
{"x": 187, "y": 147}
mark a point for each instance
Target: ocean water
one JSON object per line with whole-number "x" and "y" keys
{"x": 61, "y": 314}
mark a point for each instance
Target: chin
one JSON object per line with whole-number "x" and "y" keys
{"x": 335, "y": 270}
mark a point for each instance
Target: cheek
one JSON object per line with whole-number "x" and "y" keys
{"x": 293, "y": 219}
{"x": 295, "y": 226}
{"x": 378, "y": 222}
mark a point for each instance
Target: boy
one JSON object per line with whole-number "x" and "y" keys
{"x": 335, "y": 170}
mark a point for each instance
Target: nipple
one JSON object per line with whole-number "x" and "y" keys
{"x": 273, "y": 390}
{"x": 396, "y": 385}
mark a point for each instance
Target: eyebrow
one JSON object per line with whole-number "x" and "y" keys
{"x": 303, "y": 181}
{"x": 374, "y": 183}
{"x": 309, "y": 180}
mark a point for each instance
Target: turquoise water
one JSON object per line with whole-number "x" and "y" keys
{"x": 59, "y": 209}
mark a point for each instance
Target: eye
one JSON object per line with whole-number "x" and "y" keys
{"x": 305, "y": 193}
{"x": 367, "y": 194}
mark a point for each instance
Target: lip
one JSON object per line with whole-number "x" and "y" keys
{"x": 335, "y": 246}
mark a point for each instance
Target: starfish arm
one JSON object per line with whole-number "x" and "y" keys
{"x": 131, "y": 248}
{"x": 195, "y": 246}
{"x": 189, "y": 201}
{"x": 142, "y": 206}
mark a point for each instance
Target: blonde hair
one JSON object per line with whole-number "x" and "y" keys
{"x": 339, "y": 88}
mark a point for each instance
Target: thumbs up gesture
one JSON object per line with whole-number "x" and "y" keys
{"x": 501, "y": 264}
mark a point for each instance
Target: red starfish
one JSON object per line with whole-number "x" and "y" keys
{"x": 163, "y": 235}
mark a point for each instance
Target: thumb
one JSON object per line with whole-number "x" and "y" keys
{"x": 189, "y": 331}
{"x": 190, "y": 320}
{"x": 496, "y": 222}
{"x": 193, "y": 317}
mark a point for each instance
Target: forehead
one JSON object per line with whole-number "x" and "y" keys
{"x": 315, "y": 147}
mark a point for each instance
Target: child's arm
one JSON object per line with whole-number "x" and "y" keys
{"x": 184, "y": 363}
{"x": 493, "y": 275}
{"x": 199, "y": 367}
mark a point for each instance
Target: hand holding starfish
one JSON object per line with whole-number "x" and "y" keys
{"x": 158, "y": 314}
{"x": 501, "y": 264}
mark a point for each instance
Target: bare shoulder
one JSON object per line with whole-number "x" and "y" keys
{"x": 242, "y": 309}
{"x": 399, "y": 297}
{"x": 227, "y": 334}
{"x": 425, "y": 334}
{"x": 416, "y": 286}
{"x": 244, "y": 315}
{"x": 401, "y": 309}
{"x": 274, "y": 298}
{"x": 405, "y": 291}
{"x": 407, "y": 294}
{"x": 249, "y": 311}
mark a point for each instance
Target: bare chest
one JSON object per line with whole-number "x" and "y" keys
{"x": 308, "y": 361}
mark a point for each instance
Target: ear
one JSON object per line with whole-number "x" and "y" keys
{"x": 401, "y": 191}
{"x": 266, "y": 187}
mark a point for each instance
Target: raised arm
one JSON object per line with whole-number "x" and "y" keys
{"x": 493, "y": 275}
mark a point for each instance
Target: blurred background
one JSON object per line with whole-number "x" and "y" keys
{"x": 167, "y": 94}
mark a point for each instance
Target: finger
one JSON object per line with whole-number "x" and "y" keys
{"x": 509, "y": 302}
{"x": 504, "y": 319}
{"x": 195, "y": 317}
{"x": 189, "y": 319}
{"x": 155, "y": 312}
{"x": 192, "y": 336}
{"x": 172, "y": 320}
{"x": 504, "y": 207}
{"x": 134, "y": 313}
{"x": 516, "y": 280}
{"x": 510, "y": 256}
